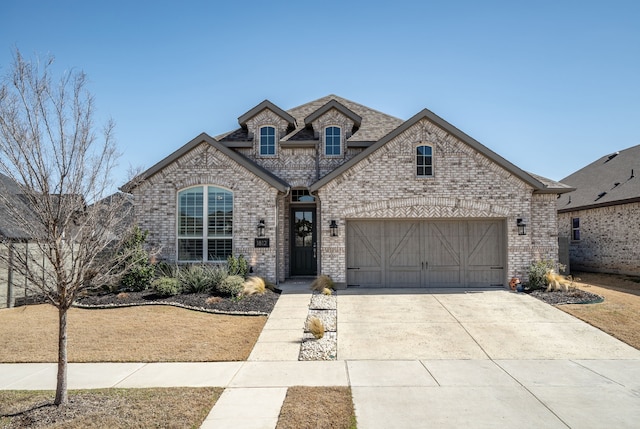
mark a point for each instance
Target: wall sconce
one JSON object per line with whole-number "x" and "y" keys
{"x": 261, "y": 228}
{"x": 522, "y": 226}
{"x": 333, "y": 226}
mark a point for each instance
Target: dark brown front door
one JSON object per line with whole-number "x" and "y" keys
{"x": 303, "y": 242}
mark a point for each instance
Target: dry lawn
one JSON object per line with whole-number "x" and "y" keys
{"x": 619, "y": 314}
{"x": 317, "y": 408}
{"x": 110, "y": 408}
{"x": 134, "y": 334}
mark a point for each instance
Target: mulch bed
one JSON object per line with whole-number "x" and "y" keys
{"x": 572, "y": 296}
{"x": 248, "y": 305}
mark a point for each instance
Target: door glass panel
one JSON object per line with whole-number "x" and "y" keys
{"x": 303, "y": 228}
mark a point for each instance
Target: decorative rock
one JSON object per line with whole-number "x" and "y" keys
{"x": 325, "y": 348}
{"x": 323, "y": 302}
{"x": 327, "y": 317}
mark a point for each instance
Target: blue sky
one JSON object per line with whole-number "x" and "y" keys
{"x": 549, "y": 85}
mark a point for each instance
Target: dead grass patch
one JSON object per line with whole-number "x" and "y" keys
{"x": 317, "y": 408}
{"x": 618, "y": 314}
{"x": 109, "y": 408}
{"x": 133, "y": 334}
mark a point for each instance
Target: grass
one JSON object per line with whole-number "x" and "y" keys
{"x": 618, "y": 314}
{"x": 133, "y": 334}
{"x": 317, "y": 407}
{"x": 109, "y": 408}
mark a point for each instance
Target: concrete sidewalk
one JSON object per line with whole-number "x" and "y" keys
{"x": 387, "y": 394}
{"x": 413, "y": 359}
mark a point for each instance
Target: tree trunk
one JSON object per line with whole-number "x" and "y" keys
{"x": 61, "y": 387}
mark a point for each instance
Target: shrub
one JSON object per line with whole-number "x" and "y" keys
{"x": 164, "y": 269}
{"x": 237, "y": 266}
{"x": 195, "y": 279}
{"x": 321, "y": 283}
{"x": 166, "y": 286}
{"x": 315, "y": 326}
{"x": 254, "y": 285}
{"x": 231, "y": 286}
{"x": 538, "y": 273}
{"x": 139, "y": 271}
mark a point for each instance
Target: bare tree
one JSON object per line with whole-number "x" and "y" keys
{"x": 61, "y": 167}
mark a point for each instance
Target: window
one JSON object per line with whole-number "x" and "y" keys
{"x": 301, "y": 196}
{"x": 424, "y": 161}
{"x": 332, "y": 143}
{"x": 205, "y": 224}
{"x": 575, "y": 228}
{"x": 267, "y": 141}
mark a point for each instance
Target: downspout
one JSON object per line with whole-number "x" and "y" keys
{"x": 284, "y": 198}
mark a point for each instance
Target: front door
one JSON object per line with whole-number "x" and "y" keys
{"x": 303, "y": 242}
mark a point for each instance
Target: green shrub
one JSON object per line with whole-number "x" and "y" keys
{"x": 231, "y": 286}
{"x": 537, "y": 273}
{"x": 195, "y": 279}
{"x": 237, "y": 266}
{"x": 166, "y": 286}
{"x": 138, "y": 270}
{"x": 321, "y": 283}
{"x": 165, "y": 269}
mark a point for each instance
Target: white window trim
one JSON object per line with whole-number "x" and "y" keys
{"x": 324, "y": 142}
{"x": 205, "y": 222}
{"x": 275, "y": 141}
{"x": 415, "y": 161}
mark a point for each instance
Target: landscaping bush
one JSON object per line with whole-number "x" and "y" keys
{"x": 166, "y": 286}
{"x": 237, "y": 266}
{"x": 254, "y": 285}
{"x": 231, "y": 286}
{"x": 196, "y": 279}
{"x": 165, "y": 269}
{"x": 537, "y": 273}
{"x": 321, "y": 283}
{"x": 316, "y": 327}
{"x": 139, "y": 270}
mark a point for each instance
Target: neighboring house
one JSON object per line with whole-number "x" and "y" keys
{"x": 334, "y": 187}
{"x": 12, "y": 238}
{"x": 601, "y": 217}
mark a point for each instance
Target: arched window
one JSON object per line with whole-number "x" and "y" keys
{"x": 205, "y": 224}
{"x": 424, "y": 161}
{"x": 267, "y": 141}
{"x": 332, "y": 141}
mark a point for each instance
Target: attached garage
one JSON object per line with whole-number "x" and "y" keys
{"x": 426, "y": 253}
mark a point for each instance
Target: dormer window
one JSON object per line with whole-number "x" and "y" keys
{"x": 332, "y": 141}
{"x": 424, "y": 161}
{"x": 267, "y": 141}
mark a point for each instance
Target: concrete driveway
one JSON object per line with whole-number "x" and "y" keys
{"x": 412, "y": 324}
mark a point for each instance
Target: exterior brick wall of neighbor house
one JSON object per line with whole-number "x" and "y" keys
{"x": 253, "y": 199}
{"x": 609, "y": 239}
{"x": 466, "y": 184}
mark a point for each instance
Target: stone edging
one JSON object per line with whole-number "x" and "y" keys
{"x": 172, "y": 304}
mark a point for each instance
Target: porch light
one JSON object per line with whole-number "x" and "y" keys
{"x": 522, "y": 226}
{"x": 333, "y": 226}
{"x": 261, "y": 227}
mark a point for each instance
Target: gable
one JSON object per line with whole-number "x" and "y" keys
{"x": 437, "y": 131}
{"x": 241, "y": 161}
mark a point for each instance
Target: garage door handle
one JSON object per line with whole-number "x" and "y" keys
{"x": 353, "y": 268}
{"x": 425, "y": 265}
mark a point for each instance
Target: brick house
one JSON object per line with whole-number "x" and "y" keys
{"x": 601, "y": 217}
{"x": 334, "y": 187}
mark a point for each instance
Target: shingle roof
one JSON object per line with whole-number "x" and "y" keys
{"x": 612, "y": 179}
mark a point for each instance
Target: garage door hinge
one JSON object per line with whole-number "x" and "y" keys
{"x": 496, "y": 268}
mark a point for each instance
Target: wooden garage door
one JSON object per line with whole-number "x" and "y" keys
{"x": 416, "y": 253}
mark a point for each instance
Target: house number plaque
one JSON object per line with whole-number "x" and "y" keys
{"x": 261, "y": 242}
